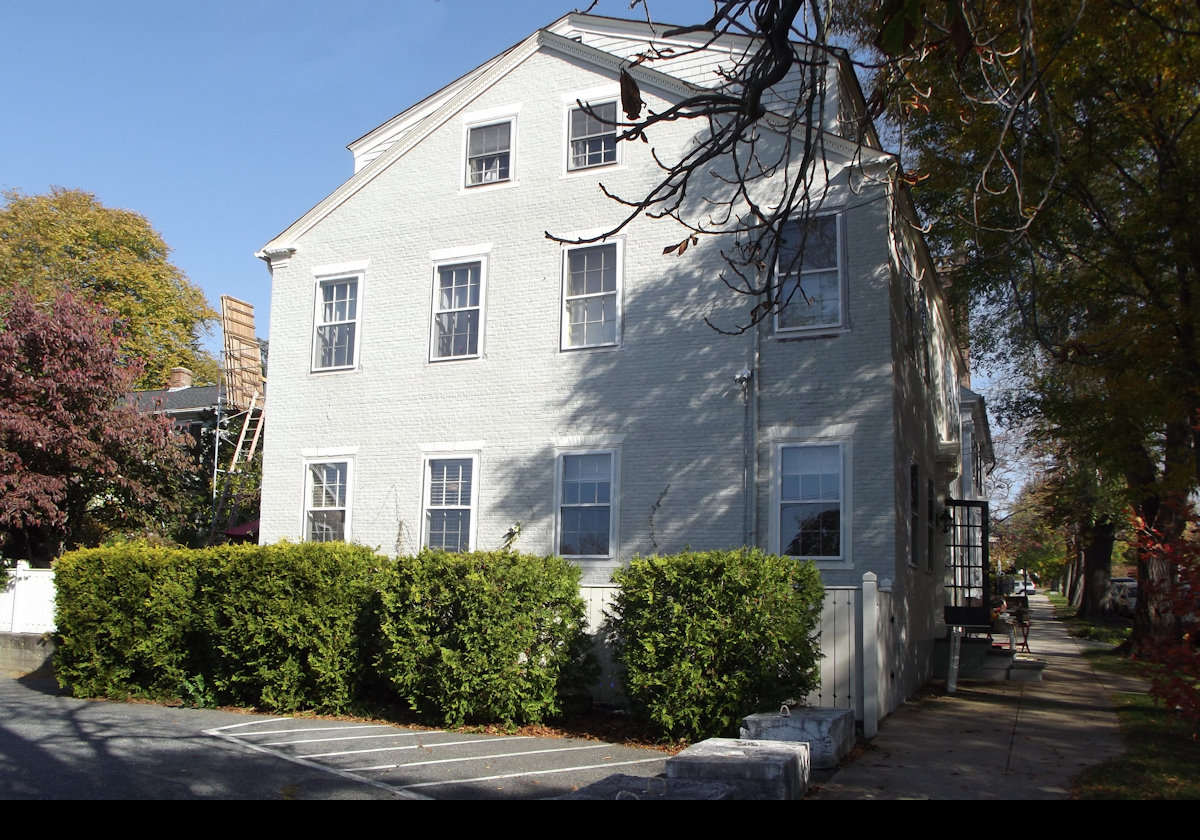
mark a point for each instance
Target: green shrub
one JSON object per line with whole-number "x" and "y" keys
{"x": 282, "y": 624}
{"x": 483, "y": 636}
{"x": 709, "y": 637}
{"x": 124, "y": 615}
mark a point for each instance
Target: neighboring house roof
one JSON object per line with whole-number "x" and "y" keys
{"x": 973, "y": 403}
{"x": 606, "y": 43}
{"x": 176, "y": 400}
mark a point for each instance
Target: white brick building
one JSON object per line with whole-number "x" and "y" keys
{"x": 443, "y": 373}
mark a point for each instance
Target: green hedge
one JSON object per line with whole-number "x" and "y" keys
{"x": 709, "y": 637}
{"x": 123, "y": 617}
{"x": 482, "y": 636}
{"x": 315, "y": 626}
{"x": 281, "y": 624}
{"x": 275, "y": 627}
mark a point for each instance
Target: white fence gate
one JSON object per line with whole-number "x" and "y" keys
{"x": 27, "y": 601}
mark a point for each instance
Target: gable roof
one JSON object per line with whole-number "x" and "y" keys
{"x": 576, "y": 35}
{"x": 174, "y": 400}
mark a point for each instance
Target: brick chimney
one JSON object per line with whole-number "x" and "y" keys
{"x": 179, "y": 377}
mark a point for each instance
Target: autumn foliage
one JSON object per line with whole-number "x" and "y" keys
{"x": 75, "y": 457}
{"x": 1175, "y": 657}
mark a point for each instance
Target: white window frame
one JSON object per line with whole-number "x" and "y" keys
{"x": 842, "y": 447}
{"x": 612, "y": 130}
{"x": 451, "y": 261}
{"x": 480, "y": 122}
{"x": 431, "y": 460}
{"x": 786, "y": 276}
{"x": 618, "y": 249}
{"x": 308, "y": 502}
{"x": 326, "y": 278}
{"x": 560, "y": 502}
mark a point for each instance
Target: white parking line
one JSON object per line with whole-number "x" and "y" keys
{"x": 343, "y": 738}
{"x": 492, "y": 757}
{"x": 302, "y": 729}
{"x": 421, "y": 746}
{"x": 312, "y": 765}
{"x": 527, "y": 773}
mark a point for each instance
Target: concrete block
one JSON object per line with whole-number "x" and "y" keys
{"x": 828, "y": 732}
{"x": 758, "y": 769}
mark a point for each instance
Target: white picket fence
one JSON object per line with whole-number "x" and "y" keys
{"x": 27, "y": 601}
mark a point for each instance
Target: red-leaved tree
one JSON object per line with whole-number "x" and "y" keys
{"x": 76, "y": 460}
{"x": 1175, "y": 656}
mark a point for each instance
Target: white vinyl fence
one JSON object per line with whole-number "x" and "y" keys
{"x": 27, "y": 602}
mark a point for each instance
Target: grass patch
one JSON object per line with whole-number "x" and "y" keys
{"x": 1162, "y": 759}
{"x": 1109, "y": 632}
{"x": 1162, "y": 754}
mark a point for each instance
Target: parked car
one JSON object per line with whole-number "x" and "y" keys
{"x": 1122, "y": 595}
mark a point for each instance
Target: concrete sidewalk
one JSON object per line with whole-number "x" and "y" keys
{"x": 995, "y": 740}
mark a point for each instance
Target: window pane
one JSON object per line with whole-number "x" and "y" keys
{"x": 810, "y": 501}
{"x": 456, "y": 310}
{"x": 591, "y": 296}
{"x": 326, "y": 525}
{"x": 809, "y": 279}
{"x": 335, "y": 346}
{"x": 335, "y": 328}
{"x": 593, "y": 138}
{"x": 449, "y": 529}
{"x": 585, "y": 511}
{"x": 328, "y": 485}
{"x": 488, "y": 149}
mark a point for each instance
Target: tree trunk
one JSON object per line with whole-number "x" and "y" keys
{"x": 1097, "y": 539}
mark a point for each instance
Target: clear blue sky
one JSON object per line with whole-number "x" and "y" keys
{"x": 223, "y": 121}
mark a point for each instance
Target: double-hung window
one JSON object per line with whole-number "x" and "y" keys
{"x": 327, "y": 501}
{"x": 489, "y": 153}
{"x": 591, "y": 296}
{"x": 809, "y": 276}
{"x": 585, "y": 504}
{"x": 810, "y": 501}
{"x": 592, "y": 136}
{"x": 335, "y": 330}
{"x": 457, "y": 310}
{"x": 449, "y": 502}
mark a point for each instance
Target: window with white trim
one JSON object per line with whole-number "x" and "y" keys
{"x": 449, "y": 503}
{"x": 489, "y": 153}
{"x": 327, "y": 496}
{"x": 457, "y": 310}
{"x": 585, "y": 505}
{"x": 809, "y": 276}
{"x": 810, "y": 500}
{"x": 592, "y": 136}
{"x": 591, "y": 296}
{"x": 335, "y": 324}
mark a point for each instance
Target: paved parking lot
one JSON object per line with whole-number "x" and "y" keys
{"x": 55, "y": 747}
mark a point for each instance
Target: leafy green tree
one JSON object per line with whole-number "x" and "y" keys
{"x": 77, "y": 460}
{"x": 67, "y": 240}
{"x": 1062, "y": 165}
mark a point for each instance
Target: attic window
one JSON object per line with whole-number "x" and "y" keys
{"x": 489, "y": 153}
{"x": 593, "y": 133}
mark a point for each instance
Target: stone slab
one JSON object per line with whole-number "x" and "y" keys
{"x": 757, "y": 769}
{"x": 828, "y": 732}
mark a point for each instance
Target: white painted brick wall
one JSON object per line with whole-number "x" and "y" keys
{"x": 668, "y": 390}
